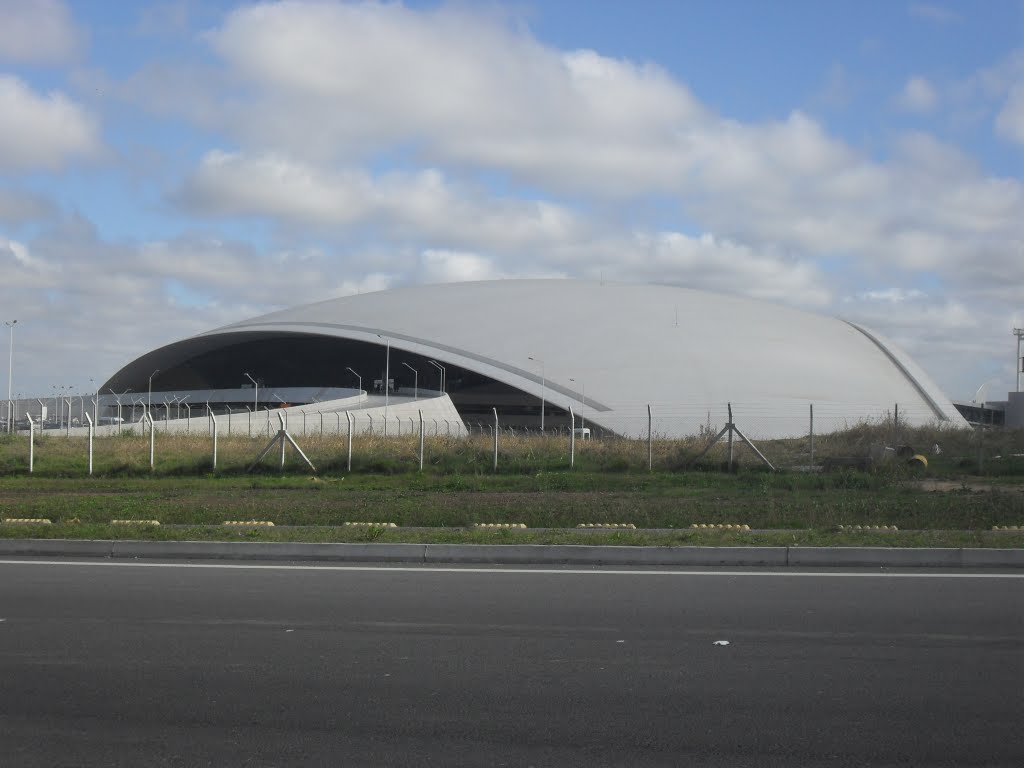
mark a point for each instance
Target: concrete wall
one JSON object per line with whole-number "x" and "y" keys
{"x": 368, "y": 414}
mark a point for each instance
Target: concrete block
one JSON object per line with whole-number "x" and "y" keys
{"x": 56, "y": 547}
{"x": 267, "y": 550}
{"x": 881, "y": 557}
{"x": 992, "y": 558}
{"x": 577, "y": 554}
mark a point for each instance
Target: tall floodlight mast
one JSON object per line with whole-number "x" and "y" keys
{"x": 1019, "y": 365}
{"x": 10, "y": 375}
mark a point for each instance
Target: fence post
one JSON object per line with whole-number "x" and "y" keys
{"x": 495, "y": 439}
{"x": 650, "y": 440}
{"x": 31, "y": 441}
{"x": 896, "y": 426}
{"x": 370, "y": 417}
{"x": 152, "y": 442}
{"x": 348, "y": 418}
{"x": 421, "y": 439}
{"x": 88, "y": 418}
{"x": 572, "y": 438}
{"x": 213, "y": 428}
{"x": 812, "y": 434}
{"x": 284, "y": 443}
{"x": 730, "y": 436}
{"x": 321, "y": 423}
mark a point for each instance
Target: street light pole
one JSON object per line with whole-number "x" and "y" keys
{"x": 10, "y": 374}
{"x": 256, "y": 398}
{"x": 149, "y": 396}
{"x": 357, "y": 376}
{"x": 543, "y": 386}
{"x": 415, "y": 381}
{"x": 444, "y": 374}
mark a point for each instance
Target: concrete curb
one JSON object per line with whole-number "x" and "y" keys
{"x": 520, "y": 554}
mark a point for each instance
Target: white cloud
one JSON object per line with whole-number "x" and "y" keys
{"x": 934, "y": 13}
{"x": 455, "y": 266}
{"x": 41, "y": 132}
{"x": 918, "y": 95}
{"x": 418, "y": 204}
{"x": 891, "y": 295}
{"x": 1010, "y": 121}
{"x": 37, "y": 31}
{"x": 468, "y": 93}
{"x": 460, "y": 86}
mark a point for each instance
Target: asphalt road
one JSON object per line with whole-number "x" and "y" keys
{"x": 151, "y": 665}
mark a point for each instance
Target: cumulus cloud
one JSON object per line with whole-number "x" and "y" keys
{"x": 467, "y": 92}
{"x": 421, "y": 203}
{"x": 37, "y": 31}
{"x": 462, "y": 86}
{"x": 41, "y": 132}
{"x": 918, "y": 95}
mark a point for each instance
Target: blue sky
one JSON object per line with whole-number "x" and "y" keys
{"x": 169, "y": 167}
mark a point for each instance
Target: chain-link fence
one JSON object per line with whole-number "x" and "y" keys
{"x": 749, "y": 440}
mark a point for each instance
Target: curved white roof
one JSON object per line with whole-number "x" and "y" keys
{"x": 610, "y": 350}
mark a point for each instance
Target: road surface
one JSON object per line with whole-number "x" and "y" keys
{"x": 130, "y": 664}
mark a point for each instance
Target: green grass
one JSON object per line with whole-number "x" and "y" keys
{"x": 807, "y": 538}
{"x": 610, "y": 484}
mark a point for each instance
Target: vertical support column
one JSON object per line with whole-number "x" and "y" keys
{"x": 896, "y": 425}
{"x": 730, "y": 436}
{"x": 421, "y": 440}
{"x": 495, "y": 439}
{"x": 152, "y": 442}
{"x": 348, "y": 417}
{"x": 91, "y": 432}
{"x": 572, "y": 438}
{"x": 31, "y": 442}
{"x": 283, "y": 442}
{"x": 812, "y": 434}
{"x": 213, "y": 429}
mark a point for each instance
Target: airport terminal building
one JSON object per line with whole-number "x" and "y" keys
{"x": 534, "y": 350}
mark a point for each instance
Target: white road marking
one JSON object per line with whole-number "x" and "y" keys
{"x": 596, "y": 571}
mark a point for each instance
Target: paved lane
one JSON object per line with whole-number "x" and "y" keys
{"x": 104, "y": 664}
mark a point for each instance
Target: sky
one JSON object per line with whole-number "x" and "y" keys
{"x": 170, "y": 167}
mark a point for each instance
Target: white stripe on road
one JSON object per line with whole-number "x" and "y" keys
{"x": 596, "y": 571}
